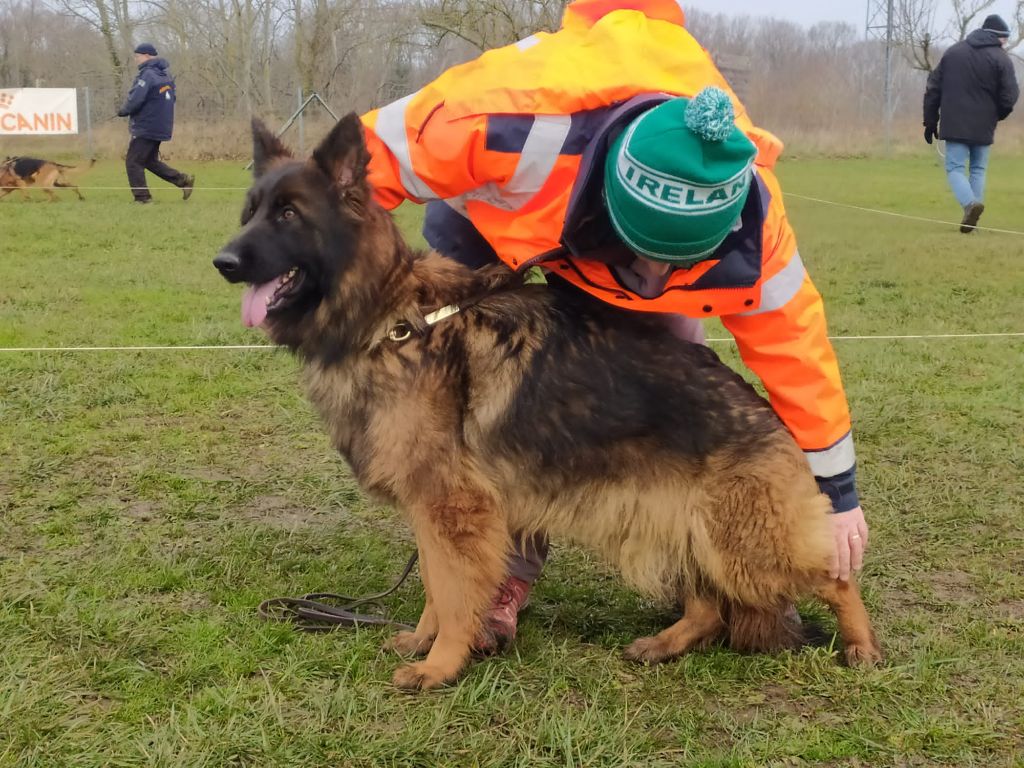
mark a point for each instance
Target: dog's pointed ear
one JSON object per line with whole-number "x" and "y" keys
{"x": 266, "y": 148}
{"x": 343, "y": 156}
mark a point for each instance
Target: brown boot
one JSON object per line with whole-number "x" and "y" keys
{"x": 502, "y": 618}
{"x": 972, "y": 213}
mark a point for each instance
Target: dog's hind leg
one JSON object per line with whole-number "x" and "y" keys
{"x": 701, "y": 624}
{"x": 419, "y": 641}
{"x": 463, "y": 540}
{"x": 859, "y": 641}
{"x": 66, "y": 185}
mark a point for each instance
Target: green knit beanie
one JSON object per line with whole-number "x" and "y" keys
{"x": 677, "y": 178}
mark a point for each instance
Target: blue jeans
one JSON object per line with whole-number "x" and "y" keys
{"x": 967, "y": 189}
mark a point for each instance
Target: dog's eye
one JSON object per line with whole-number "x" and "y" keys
{"x": 287, "y": 213}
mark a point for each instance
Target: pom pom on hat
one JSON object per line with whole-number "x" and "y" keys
{"x": 710, "y": 115}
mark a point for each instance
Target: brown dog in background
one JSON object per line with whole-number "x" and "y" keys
{"x": 24, "y": 172}
{"x": 478, "y": 405}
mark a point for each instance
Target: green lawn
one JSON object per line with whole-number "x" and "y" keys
{"x": 150, "y": 500}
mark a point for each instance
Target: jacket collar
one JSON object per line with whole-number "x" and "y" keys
{"x": 157, "y": 63}
{"x": 983, "y": 38}
{"x": 586, "y": 225}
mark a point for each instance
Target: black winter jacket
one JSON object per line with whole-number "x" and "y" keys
{"x": 972, "y": 89}
{"x": 150, "y": 102}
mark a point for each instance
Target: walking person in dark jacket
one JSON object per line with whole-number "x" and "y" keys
{"x": 972, "y": 89}
{"x": 150, "y": 109}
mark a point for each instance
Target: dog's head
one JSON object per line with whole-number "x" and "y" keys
{"x": 301, "y": 228}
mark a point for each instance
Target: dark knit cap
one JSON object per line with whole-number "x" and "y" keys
{"x": 995, "y": 23}
{"x": 150, "y": 50}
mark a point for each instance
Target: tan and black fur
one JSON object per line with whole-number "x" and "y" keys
{"x": 25, "y": 172}
{"x": 533, "y": 409}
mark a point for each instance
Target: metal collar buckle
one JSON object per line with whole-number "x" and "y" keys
{"x": 400, "y": 332}
{"x": 403, "y": 331}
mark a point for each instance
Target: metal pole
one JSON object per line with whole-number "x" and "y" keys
{"x": 302, "y": 125}
{"x": 888, "y": 77}
{"x": 324, "y": 105}
{"x": 88, "y": 124}
{"x": 295, "y": 115}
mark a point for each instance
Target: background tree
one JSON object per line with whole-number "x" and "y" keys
{"x": 234, "y": 58}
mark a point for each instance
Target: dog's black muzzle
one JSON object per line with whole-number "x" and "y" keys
{"x": 229, "y": 264}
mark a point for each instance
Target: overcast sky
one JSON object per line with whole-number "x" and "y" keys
{"x": 808, "y": 12}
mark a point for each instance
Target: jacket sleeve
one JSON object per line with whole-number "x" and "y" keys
{"x": 785, "y": 342}
{"x": 1009, "y": 90}
{"x": 418, "y": 152}
{"x": 933, "y": 96}
{"x": 136, "y": 96}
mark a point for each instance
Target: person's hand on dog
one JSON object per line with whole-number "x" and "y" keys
{"x": 850, "y": 530}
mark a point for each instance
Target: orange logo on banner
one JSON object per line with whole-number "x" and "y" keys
{"x": 27, "y": 119}
{"x": 51, "y": 121}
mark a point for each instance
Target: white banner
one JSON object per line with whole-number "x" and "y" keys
{"x": 38, "y": 110}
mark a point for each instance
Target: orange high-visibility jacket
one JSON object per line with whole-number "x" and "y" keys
{"x": 502, "y": 140}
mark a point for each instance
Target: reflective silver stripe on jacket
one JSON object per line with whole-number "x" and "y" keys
{"x": 540, "y": 153}
{"x": 833, "y": 461}
{"x": 527, "y": 42}
{"x": 536, "y": 162}
{"x": 390, "y": 128}
{"x": 779, "y": 289}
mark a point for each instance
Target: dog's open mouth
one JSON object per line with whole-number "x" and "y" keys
{"x": 276, "y": 294}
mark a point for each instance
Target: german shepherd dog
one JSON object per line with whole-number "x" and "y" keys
{"x": 24, "y": 172}
{"x": 478, "y": 406}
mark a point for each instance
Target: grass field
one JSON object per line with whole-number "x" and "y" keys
{"x": 150, "y": 500}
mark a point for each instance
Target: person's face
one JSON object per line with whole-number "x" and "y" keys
{"x": 649, "y": 268}
{"x": 141, "y": 57}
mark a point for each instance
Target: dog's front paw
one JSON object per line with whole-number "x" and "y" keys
{"x": 420, "y": 676}
{"x": 409, "y": 644}
{"x": 864, "y": 655}
{"x": 647, "y": 650}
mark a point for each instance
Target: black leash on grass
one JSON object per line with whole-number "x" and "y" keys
{"x": 326, "y": 611}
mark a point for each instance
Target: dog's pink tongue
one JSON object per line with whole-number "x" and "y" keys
{"x": 254, "y": 302}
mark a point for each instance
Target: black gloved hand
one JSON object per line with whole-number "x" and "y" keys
{"x": 930, "y": 132}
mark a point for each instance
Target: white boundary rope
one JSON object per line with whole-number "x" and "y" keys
{"x": 155, "y": 348}
{"x": 864, "y": 209}
{"x": 243, "y": 347}
{"x": 170, "y": 189}
{"x": 912, "y": 337}
{"x": 899, "y": 215}
{"x": 248, "y": 347}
